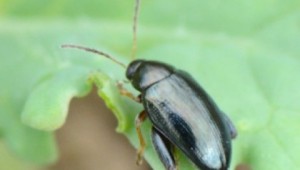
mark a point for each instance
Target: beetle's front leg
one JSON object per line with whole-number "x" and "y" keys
{"x": 164, "y": 149}
{"x": 138, "y": 122}
{"x": 125, "y": 92}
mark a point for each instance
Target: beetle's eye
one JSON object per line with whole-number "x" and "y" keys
{"x": 132, "y": 68}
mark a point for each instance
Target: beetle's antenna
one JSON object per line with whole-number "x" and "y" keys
{"x": 94, "y": 51}
{"x": 135, "y": 23}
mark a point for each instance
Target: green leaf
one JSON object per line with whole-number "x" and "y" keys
{"x": 9, "y": 161}
{"x": 45, "y": 114}
{"x": 245, "y": 54}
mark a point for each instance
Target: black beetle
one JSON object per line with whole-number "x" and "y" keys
{"x": 182, "y": 113}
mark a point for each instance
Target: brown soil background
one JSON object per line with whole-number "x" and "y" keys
{"x": 88, "y": 140}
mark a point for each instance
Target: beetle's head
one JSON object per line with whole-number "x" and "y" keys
{"x": 143, "y": 74}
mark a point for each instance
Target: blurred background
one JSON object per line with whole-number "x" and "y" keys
{"x": 88, "y": 140}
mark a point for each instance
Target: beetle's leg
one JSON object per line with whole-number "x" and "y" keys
{"x": 233, "y": 131}
{"x": 164, "y": 149}
{"x": 126, "y": 93}
{"x": 138, "y": 122}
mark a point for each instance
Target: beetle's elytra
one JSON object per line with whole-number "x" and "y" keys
{"x": 183, "y": 115}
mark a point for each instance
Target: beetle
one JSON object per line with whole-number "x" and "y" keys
{"x": 182, "y": 113}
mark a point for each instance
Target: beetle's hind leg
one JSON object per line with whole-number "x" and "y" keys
{"x": 164, "y": 149}
{"x": 138, "y": 122}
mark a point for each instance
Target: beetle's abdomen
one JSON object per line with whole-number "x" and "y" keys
{"x": 183, "y": 113}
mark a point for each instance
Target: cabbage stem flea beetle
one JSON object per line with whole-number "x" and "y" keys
{"x": 183, "y": 115}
